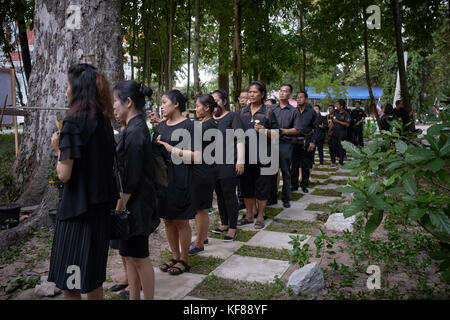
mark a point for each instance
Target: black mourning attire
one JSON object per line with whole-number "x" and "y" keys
{"x": 253, "y": 183}
{"x": 338, "y": 133}
{"x": 357, "y": 130}
{"x": 301, "y": 157}
{"x": 288, "y": 118}
{"x": 226, "y": 183}
{"x": 321, "y": 136}
{"x": 176, "y": 200}
{"x": 82, "y": 228}
{"x": 205, "y": 175}
{"x": 402, "y": 115}
{"x": 136, "y": 167}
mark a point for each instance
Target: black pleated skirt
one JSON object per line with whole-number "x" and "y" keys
{"x": 82, "y": 242}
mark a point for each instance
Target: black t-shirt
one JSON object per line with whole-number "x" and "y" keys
{"x": 357, "y": 115}
{"x": 287, "y": 118}
{"x": 309, "y": 123}
{"x": 263, "y": 116}
{"x": 230, "y": 121}
{"x": 89, "y": 141}
{"x": 402, "y": 115}
{"x": 338, "y": 129}
{"x": 204, "y": 169}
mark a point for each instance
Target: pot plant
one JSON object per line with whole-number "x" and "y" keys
{"x": 9, "y": 210}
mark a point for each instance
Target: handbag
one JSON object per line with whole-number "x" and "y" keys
{"x": 120, "y": 223}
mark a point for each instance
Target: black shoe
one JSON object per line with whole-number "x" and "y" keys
{"x": 286, "y": 204}
{"x": 124, "y": 294}
{"x": 228, "y": 239}
{"x": 218, "y": 231}
{"x": 118, "y": 287}
{"x": 305, "y": 190}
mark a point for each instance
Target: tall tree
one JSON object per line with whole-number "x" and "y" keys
{"x": 95, "y": 40}
{"x": 170, "y": 27}
{"x": 197, "y": 48}
{"x": 237, "y": 50}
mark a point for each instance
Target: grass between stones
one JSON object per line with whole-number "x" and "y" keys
{"x": 327, "y": 208}
{"x": 292, "y": 226}
{"x": 316, "y": 168}
{"x": 262, "y": 252}
{"x": 216, "y": 288}
{"x": 241, "y": 235}
{"x": 199, "y": 264}
{"x": 294, "y": 196}
{"x": 320, "y": 176}
{"x": 326, "y": 192}
{"x": 328, "y": 181}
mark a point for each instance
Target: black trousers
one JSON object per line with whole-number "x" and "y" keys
{"x": 286, "y": 149}
{"x": 336, "y": 149}
{"x": 227, "y": 201}
{"x": 319, "y": 148}
{"x": 358, "y": 136}
{"x": 301, "y": 158}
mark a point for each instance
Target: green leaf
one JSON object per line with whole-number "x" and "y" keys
{"x": 435, "y": 165}
{"x": 410, "y": 185}
{"x": 373, "y": 188}
{"x": 445, "y": 150}
{"x": 416, "y": 214}
{"x": 353, "y": 208}
{"x": 395, "y": 165}
{"x": 433, "y": 142}
{"x": 352, "y": 164}
{"x": 414, "y": 154}
{"x": 351, "y": 148}
{"x": 373, "y": 222}
{"x": 440, "y": 220}
{"x": 391, "y": 180}
{"x": 378, "y": 203}
{"x": 347, "y": 189}
{"x": 434, "y": 130}
{"x": 401, "y": 146}
{"x": 373, "y": 164}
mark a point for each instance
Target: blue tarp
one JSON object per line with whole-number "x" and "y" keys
{"x": 359, "y": 93}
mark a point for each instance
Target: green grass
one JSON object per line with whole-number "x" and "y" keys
{"x": 241, "y": 235}
{"x": 262, "y": 252}
{"x": 326, "y": 208}
{"x": 216, "y": 288}
{"x": 199, "y": 264}
{"x": 320, "y": 176}
{"x": 325, "y": 169}
{"x": 292, "y": 226}
{"x": 271, "y": 213}
{"x": 294, "y": 196}
{"x": 7, "y": 147}
{"x": 108, "y": 295}
{"x": 326, "y": 182}
{"x": 326, "y": 192}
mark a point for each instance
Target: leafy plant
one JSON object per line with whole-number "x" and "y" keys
{"x": 8, "y": 192}
{"x": 299, "y": 254}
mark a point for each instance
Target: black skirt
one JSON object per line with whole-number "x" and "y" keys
{"x": 83, "y": 242}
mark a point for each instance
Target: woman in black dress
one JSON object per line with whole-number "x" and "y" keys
{"x": 85, "y": 147}
{"x": 136, "y": 168}
{"x": 387, "y": 117}
{"x": 231, "y": 167}
{"x": 175, "y": 202}
{"x": 205, "y": 173}
{"x": 254, "y": 184}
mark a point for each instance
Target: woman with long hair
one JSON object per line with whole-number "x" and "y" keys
{"x": 136, "y": 169}
{"x": 175, "y": 202}
{"x": 205, "y": 174}
{"x": 231, "y": 168}
{"x": 85, "y": 148}
{"x": 254, "y": 185}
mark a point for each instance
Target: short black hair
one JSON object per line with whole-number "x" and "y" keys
{"x": 398, "y": 102}
{"x": 261, "y": 87}
{"x": 357, "y": 101}
{"x": 304, "y": 92}
{"x": 133, "y": 90}
{"x": 316, "y": 105}
{"x": 244, "y": 90}
{"x": 224, "y": 97}
{"x": 341, "y": 102}
{"x": 389, "y": 109}
{"x": 272, "y": 100}
{"x": 287, "y": 85}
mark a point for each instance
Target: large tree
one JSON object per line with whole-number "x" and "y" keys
{"x": 96, "y": 39}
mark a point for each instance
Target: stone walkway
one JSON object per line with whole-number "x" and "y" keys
{"x": 246, "y": 268}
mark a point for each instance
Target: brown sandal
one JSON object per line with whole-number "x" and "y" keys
{"x": 259, "y": 225}
{"x": 164, "y": 267}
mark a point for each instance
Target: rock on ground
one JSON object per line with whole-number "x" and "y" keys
{"x": 308, "y": 279}
{"x": 337, "y": 222}
{"x": 46, "y": 289}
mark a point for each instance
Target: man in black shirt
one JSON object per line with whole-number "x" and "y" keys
{"x": 288, "y": 120}
{"x": 357, "y": 119}
{"x": 323, "y": 128}
{"x": 338, "y": 132}
{"x": 303, "y": 153}
{"x": 401, "y": 114}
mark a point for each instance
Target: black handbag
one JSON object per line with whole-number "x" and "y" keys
{"x": 120, "y": 222}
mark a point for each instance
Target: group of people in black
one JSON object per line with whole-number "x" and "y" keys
{"x": 91, "y": 159}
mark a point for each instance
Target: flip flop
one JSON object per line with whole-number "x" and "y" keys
{"x": 244, "y": 221}
{"x": 164, "y": 267}
{"x": 259, "y": 224}
{"x": 179, "y": 270}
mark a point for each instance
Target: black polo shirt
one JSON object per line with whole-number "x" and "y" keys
{"x": 357, "y": 115}
{"x": 338, "y": 129}
{"x": 287, "y": 118}
{"x": 309, "y": 123}
{"x": 266, "y": 118}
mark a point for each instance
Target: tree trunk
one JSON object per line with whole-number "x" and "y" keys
{"x": 237, "y": 52}
{"x": 147, "y": 74}
{"x": 400, "y": 58}
{"x": 224, "y": 80}
{"x": 372, "y": 107}
{"x": 26, "y": 57}
{"x": 97, "y": 41}
{"x": 189, "y": 55}
{"x": 197, "y": 48}
{"x": 302, "y": 71}
{"x": 170, "y": 26}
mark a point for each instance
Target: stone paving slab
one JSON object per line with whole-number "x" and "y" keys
{"x": 251, "y": 269}
{"x": 272, "y": 239}
{"x": 218, "y": 248}
{"x": 169, "y": 287}
{"x": 298, "y": 215}
{"x": 297, "y": 210}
